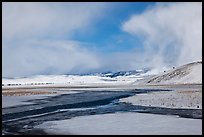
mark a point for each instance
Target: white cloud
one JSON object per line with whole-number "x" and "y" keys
{"x": 48, "y": 57}
{"x": 34, "y": 37}
{"x": 37, "y": 38}
{"x": 36, "y": 19}
{"x": 172, "y": 33}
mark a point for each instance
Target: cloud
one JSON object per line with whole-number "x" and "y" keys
{"x": 48, "y": 57}
{"x": 172, "y": 33}
{"x": 37, "y": 37}
{"x": 36, "y": 19}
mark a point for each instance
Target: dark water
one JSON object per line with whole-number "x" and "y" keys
{"x": 20, "y": 120}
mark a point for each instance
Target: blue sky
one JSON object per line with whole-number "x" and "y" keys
{"x": 107, "y": 35}
{"x": 85, "y": 37}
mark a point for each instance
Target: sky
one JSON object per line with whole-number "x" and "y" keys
{"x": 87, "y": 37}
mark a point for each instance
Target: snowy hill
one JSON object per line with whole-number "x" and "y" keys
{"x": 108, "y": 78}
{"x": 187, "y": 74}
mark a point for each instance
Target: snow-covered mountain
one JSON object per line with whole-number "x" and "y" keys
{"x": 124, "y": 73}
{"x": 187, "y": 74}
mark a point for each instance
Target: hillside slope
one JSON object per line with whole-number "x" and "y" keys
{"x": 187, "y": 74}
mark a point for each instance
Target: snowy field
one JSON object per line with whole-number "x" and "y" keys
{"x": 125, "y": 124}
{"x": 68, "y": 80}
{"x": 173, "y": 99}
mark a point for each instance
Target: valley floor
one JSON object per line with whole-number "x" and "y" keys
{"x": 123, "y": 117}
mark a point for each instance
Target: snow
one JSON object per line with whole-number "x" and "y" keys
{"x": 68, "y": 80}
{"x": 168, "y": 99}
{"x": 195, "y": 75}
{"x": 124, "y": 124}
{"x": 187, "y": 74}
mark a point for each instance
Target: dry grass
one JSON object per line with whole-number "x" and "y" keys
{"x": 24, "y": 92}
{"x": 188, "y": 91}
